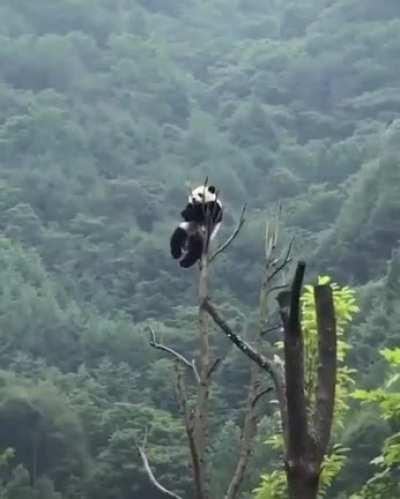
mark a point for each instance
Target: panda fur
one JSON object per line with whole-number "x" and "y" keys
{"x": 187, "y": 240}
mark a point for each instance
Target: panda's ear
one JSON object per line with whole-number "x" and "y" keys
{"x": 211, "y": 188}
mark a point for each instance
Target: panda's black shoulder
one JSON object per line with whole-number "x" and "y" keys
{"x": 192, "y": 213}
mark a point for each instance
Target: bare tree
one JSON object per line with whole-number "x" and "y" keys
{"x": 196, "y": 415}
{"x": 306, "y": 430}
{"x": 305, "y": 436}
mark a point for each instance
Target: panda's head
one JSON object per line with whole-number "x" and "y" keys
{"x": 203, "y": 194}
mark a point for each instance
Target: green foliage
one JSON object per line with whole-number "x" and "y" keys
{"x": 345, "y": 310}
{"x": 385, "y": 482}
{"x": 273, "y": 486}
{"x": 20, "y": 487}
{"x": 38, "y": 423}
{"x": 107, "y": 109}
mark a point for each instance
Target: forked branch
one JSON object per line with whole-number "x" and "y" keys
{"x": 178, "y": 356}
{"x": 264, "y": 362}
{"x": 259, "y": 395}
{"x": 307, "y": 439}
{"x": 281, "y": 265}
{"x": 242, "y": 344}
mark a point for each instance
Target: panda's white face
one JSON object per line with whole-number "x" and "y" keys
{"x": 203, "y": 194}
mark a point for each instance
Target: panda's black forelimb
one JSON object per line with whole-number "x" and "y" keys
{"x": 193, "y": 213}
{"x": 211, "y": 213}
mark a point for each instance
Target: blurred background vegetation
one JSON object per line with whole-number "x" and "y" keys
{"x": 107, "y": 109}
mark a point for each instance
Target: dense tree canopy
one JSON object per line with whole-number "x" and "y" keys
{"x": 108, "y": 108}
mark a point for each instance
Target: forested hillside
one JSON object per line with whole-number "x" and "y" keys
{"x": 108, "y": 109}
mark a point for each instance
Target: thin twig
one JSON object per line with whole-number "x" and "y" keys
{"x": 247, "y": 435}
{"x": 210, "y": 220}
{"x": 189, "y": 420}
{"x": 151, "y": 476}
{"x": 180, "y": 389}
{"x": 214, "y": 367}
{"x": 275, "y": 327}
{"x": 233, "y": 236}
{"x": 284, "y": 263}
{"x": 178, "y": 356}
{"x": 260, "y": 395}
{"x": 206, "y": 217}
{"x": 277, "y": 288}
{"x": 272, "y": 235}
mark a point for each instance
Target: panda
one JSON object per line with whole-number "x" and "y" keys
{"x": 203, "y": 209}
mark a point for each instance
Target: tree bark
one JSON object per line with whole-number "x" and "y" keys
{"x": 303, "y": 480}
{"x": 200, "y": 423}
{"x": 157, "y": 485}
{"x": 307, "y": 440}
{"x": 248, "y": 433}
{"x": 294, "y": 370}
{"x": 327, "y": 349}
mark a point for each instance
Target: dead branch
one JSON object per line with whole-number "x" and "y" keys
{"x": 214, "y": 367}
{"x": 285, "y": 262}
{"x": 191, "y": 420}
{"x": 260, "y": 395}
{"x": 294, "y": 316}
{"x": 188, "y": 416}
{"x": 277, "y": 288}
{"x": 307, "y": 440}
{"x": 250, "y": 424}
{"x": 209, "y": 222}
{"x": 305, "y": 445}
{"x": 247, "y": 435}
{"x": 294, "y": 368}
{"x": 179, "y": 357}
{"x": 264, "y": 362}
{"x": 201, "y": 412}
{"x": 232, "y": 237}
{"x": 151, "y": 476}
{"x": 326, "y": 381}
{"x": 275, "y": 327}
{"x": 273, "y": 267}
{"x": 180, "y": 388}
{"x": 242, "y": 344}
{"x": 272, "y": 234}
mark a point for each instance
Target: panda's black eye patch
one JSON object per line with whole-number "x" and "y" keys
{"x": 201, "y": 195}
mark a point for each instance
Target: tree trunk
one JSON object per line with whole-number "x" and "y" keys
{"x": 201, "y": 412}
{"x": 303, "y": 480}
{"x": 249, "y": 431}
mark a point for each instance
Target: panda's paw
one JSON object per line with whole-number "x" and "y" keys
{"x": 176, "y": 252}
{"x": 194, "y": 251}
{"x": 188, "y": 261}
